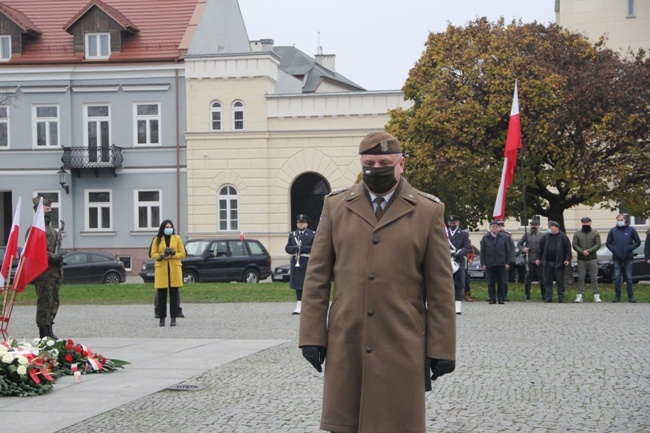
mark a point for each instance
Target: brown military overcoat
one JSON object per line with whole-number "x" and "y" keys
{"x": 377, "y": 330}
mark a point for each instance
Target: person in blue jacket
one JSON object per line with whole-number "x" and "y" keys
{"x": 622, "y": 240}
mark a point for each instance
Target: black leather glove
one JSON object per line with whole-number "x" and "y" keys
{"x": 440, "y": 367}
{"x": 55, "y": 259}
{"x": 315, "y": 355}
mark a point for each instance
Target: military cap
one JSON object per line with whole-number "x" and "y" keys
{"x": 302, "y": 217}
{"x": 451, "y": 218}
{"x": 585, "y": 219}
{"x": 379, "y": 143}
{"x": 534, "y": 222}
{"x": 553, "y": 223}
{"x": 494, "y": 223}
{"x": 46, "y": 201}
{"x": 501, "y": 222}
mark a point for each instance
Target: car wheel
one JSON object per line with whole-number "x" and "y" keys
{"x": 251, "y": 276}
{"x": 189, "y": 277}
{"x": 112, "y": 278}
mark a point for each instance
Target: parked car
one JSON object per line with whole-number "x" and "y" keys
{"x": 516, "y": 274}
{"x": 281, "y": 273}
{"x": 213, "y": 260}
{"x": 90, "y": 267}
{"x": 640, "y": 268}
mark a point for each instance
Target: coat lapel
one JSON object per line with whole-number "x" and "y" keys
{"x": 402, "y": 203}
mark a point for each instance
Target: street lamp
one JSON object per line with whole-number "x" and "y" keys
{"x": 62, "y": 175}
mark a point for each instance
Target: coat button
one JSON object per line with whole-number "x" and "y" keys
{"x": 369, "y": 349}
{"x": 371, "y": 313}
{"x": 375, "y": 241}
{"x": 371, "y": 277}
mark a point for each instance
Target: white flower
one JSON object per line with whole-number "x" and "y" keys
{"x": 22, "y": 360}
{"x": 50, "y": 343}
{"x": 8, "y": 358}
{"x": 3, "y": 350}
{"x": 36, "y": 342}
{"x": 22, "y": 370}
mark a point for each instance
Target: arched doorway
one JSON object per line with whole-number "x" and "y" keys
{"x": 307, "y": 193}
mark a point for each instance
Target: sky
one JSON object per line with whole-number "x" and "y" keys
{"x": 376, "y": 42}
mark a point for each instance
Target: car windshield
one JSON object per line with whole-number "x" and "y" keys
{"x": 196, "y": 248}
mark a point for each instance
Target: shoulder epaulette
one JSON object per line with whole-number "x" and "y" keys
{"x": 429, "y": 196}
{"x": 338, "y": 191}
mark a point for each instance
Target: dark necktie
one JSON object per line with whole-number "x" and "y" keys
{"x": 378, "y": 210}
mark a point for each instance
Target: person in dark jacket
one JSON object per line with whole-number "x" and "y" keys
{"x": 459, "y": 239}
{"x": 646, "y": 249}
{"x": 586, "y": 242}
{"x": 299, "y": 246}
{"x": 622, "y": 240}
{"x": 495, "y": 256}
{"x": 529, "y": 244}
{"x": 555, "y": 255}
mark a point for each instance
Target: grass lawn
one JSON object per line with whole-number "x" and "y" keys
{"x": 105, "y": 294}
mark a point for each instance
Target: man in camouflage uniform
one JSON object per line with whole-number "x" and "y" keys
{"x": 48, "y": 283}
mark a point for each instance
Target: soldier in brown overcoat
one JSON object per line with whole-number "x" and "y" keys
{"x": 392, "y": 316}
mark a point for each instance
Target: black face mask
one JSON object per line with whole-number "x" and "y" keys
{"x": 586, "y": 229}
{"x": 47, "y": 217}
{"x": 533, "y": 230}
{"x": 379, "y": 180}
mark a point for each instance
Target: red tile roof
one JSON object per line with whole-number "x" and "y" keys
{"x": 20, "y": 19}
{"x": 161, "y": 23}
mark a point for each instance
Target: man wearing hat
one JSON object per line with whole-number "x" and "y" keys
{"x": 586, "y": 242}
{"x": 555, "y": 256}
{"x": 48, "y": 283}
{"x": 512, "y": 258}
{"x": 299, "y": 246}
{"x": 381, "y": 251}
{"x": 459, "y": 240}
{"x": 529, "y": 244}
{"x": 495, "y": 257}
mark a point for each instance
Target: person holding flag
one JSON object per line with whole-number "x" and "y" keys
{"x": 42, "y": 264}
{"x": 11, "y": 252}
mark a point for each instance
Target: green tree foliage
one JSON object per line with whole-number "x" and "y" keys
{"x": 585, "y": 119}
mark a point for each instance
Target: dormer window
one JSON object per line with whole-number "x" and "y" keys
{"x": 98, "y": 45}
{"x": 5, "y": 48}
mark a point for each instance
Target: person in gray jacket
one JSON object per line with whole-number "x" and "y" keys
{"x": 529, "y": 244}
{"x": 555, "y": 257}
{"x": 586, "y": 242}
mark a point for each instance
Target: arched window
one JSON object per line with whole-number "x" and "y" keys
{"x": 228, "y": 208}
{"x": 238, "y": 115}
{"x": 215, "y": 116}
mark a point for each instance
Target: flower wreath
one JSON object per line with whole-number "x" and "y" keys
{"x": 28, "y": 369}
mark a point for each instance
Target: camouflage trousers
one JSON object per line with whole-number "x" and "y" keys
{"x": 47, "y": 303}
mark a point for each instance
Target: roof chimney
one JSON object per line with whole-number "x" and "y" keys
{"x": 326, "y": 60}
{"x": 262, "y": 45}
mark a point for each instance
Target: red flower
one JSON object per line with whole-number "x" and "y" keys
{"x": 67, "y": 358}
{"x": 78, "y": 348}
{"x": 69, "y": 345}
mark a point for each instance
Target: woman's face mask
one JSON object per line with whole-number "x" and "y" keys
{"x": 380, "y": 179}
{"x": 169, "y": 231}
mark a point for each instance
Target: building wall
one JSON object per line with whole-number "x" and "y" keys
{"x": 26, "y": 169}
{"x": 284, "y": 136}
{"x": 593, "y": 18}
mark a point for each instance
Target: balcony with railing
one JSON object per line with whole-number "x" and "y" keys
{"x": 94, "y": 158}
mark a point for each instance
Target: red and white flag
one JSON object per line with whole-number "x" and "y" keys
{"x": 12, "y": 248}
{"x": 513, "y": 143}
{"x": 242, "y": 236}
{"x": 33, "y": 260}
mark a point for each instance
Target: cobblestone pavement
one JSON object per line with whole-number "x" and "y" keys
{"x": 521, "y": 367}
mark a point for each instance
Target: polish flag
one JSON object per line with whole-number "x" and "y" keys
{"x": 513, "y": 143}
{"x": 33, "y": 260}
{"x": 12, "y": 248}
